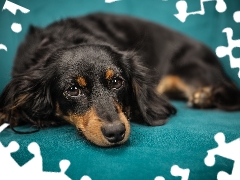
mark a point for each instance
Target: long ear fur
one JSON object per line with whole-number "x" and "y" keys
{"x": 154, "y": 108}
{"x": 27, "y": 97}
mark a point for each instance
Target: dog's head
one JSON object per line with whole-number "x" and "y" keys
{"x": 94, "y": 87}
{"x": 90, "y": 92}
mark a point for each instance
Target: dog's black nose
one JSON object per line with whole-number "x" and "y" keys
{"x": 114, "y": 132}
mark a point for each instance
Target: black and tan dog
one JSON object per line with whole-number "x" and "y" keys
{"x": 100, "y": 71}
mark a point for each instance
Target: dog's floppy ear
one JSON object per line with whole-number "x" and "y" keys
{"x": 154, "y": 108}
{"x": 27, "y": 97}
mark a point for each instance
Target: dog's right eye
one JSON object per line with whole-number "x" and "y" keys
{"x": 72, "y": 91}
{"x": 116, "y": 83}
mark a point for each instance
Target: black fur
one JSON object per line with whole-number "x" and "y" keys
{"x": 140, "y": 53}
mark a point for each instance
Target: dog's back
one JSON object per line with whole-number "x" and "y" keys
{"x": 155, "y": 44}
{"x": 172, "y": 57}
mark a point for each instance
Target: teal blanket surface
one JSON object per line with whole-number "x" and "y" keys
{"x": 151, "y": 152}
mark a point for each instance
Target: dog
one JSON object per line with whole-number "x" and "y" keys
{"x": 100, "y": 71}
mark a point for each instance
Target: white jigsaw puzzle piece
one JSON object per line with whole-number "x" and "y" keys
{"x": 111, "y": 1}
{"x": 159, "y": 178}
{"x": 177, "y": 171}
{"x": 236, "y": 16}
{"x": 35, "y": 164}
{"x": 7, "y": 164}
{"x": 12, "y": 7}
{"x": 64, "y": 164}
{"x": 85, "y": 178}
{"x": 222, "y": 51}
{"x": 4, "y": 125}
{"x": 33, "y": 169}
{"x": 2, "y": 46}
{"x": 16, "y": 27}
{"x": 182, "y": 9}
{"x": 227, "y": 150}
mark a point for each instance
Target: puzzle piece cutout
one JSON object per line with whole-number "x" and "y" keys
{"x": 182, "y": 9}
{"x": 111, "y": 1}
{"x": 85, "y": 178}
{"x": 11, "y": 169}
{"x": 3, "y": 126}
{"x": 159, "y": 178}
{"x": 228, "y": 150}
{"x": 2, "y": 46}
{"x": 177, "y": 171}
{"x": 33, "y": 169}
{"x": 236, "y": 16}
{"x": 222, "y": 51}
{"x": 16, "y": 27}
{"x": 12, "y": 7}
{"x": 7, "y": 163}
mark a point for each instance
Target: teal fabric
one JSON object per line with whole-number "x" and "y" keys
{"x": 150, "y": 151}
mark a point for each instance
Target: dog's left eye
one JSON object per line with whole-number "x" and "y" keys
{"x": 116, "y": 83}
{"x": 72, "y": 91}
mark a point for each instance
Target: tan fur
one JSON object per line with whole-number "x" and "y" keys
{"x": 82, "y": 82}
{"x": 90, "y": 125}
{"x": 202, "y": 98}
{"x": 19, "y": 101}
{"x": 109, "y": 74}
{"x": 3, "y": 118}
{"x": 15, "y": 121}
{"x": 171, "y": 84}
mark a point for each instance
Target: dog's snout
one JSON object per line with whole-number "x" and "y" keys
{"x": 114, "y": 132}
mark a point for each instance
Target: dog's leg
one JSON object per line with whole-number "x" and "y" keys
{"x": 199, "y": 95}
{"x": 176, "y": 88}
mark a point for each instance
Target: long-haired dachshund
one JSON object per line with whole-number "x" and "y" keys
{"x": 100, "y": 71}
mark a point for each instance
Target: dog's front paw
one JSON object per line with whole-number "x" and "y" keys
{"x": 202, "y": 98}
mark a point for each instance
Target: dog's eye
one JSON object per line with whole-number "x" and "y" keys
{"x": 116, "y": 83}
{"x": 72, "y": 91}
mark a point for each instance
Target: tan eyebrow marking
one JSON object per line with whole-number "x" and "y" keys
{"x": 109, "y": 74}
{"x": 81, "y": 81}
